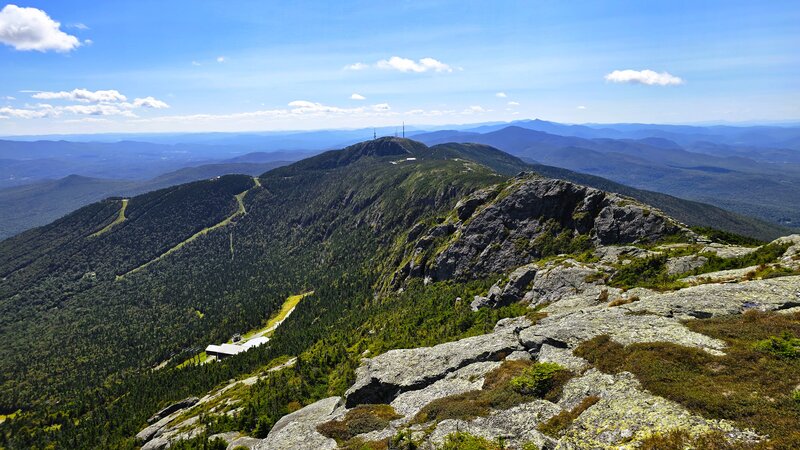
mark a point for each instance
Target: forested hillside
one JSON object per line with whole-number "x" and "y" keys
{"x": 70, "y": 323}
{"x": 93, "y": 303}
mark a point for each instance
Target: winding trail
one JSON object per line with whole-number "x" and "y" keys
{"x": 120, "y": 218}
{"x": 240, "y": 211}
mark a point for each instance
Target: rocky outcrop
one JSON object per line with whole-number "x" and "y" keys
{"x": 572, "y": 328}
{"x": 516, "y": 426}
{"x": 683, "y": 264}
{"x": 383, "y": 378}
{"x": 299, "y": 429}
{"x": 621, "y": 254}
{"x": 502, "y": 234}
{"x": 558, "y": 280}
{"x": 626, "y": 413}
{"x": 183, "y": 404}
{"x": 469, "y": 378}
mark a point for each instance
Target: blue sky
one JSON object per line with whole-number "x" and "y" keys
{"x": 236, "y": 66}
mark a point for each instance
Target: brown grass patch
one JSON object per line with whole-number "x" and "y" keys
{"x": 561, "y": 421}
{"x": 751, "y": 387}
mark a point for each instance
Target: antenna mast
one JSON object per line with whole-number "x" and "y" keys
{"x": 374, "y": 134}
{"x": 404, "y": 129}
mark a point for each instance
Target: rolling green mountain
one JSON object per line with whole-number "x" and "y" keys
{"x": 755, "y": 181}
{"x": 93, "y": 300}
{"x": 32, "y": 205}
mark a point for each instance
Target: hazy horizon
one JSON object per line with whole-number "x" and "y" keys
{"x": 85, "y": 68}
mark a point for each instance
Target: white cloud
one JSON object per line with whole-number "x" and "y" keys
{"x": 220, "y": 59}
{"x": 409, "y": 65}
{"x": 356, "y": 66}
{"x": 648, "y": 77}
{"x": 80, "y": 26}
{"x": 581, "y": 107}
{"x": 501, "y": 95}
{"x": 32, "y": 29}
{"x": 8, "y": 97}
{"x": 90, "y": 103}
{"x": 196, "y": 64}
{"x": 149, "y": 102}
{"x": 475, "y": 109}
{"x": 513, "y": 103}
{"x": 357, "y": 97}
{"x": 88, "y": 42}
{"x": 381, "y": 107}
{"x": 14, "y": 113}
{"x": 100, "y": 109}
{"x": 82, "y": 95}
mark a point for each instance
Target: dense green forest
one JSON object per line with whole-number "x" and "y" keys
{"x": 90, "y": 355}
{"x": 78, "y": 339}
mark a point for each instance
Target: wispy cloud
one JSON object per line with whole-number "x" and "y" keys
{"x": 32, "y": 29}
{"x": 356, "y": 66}
{"x": 221, "y": 59}
{"x": 409, "y": 65}
{"x": 646, "y": 77}
{"x": 82, "y": 95}
{"x": 501, "y": 95}
{"x": 88, "y": 103}
{"x": 512, "y": 103}
{"x": 581, "y": 107}
{"x": 357, "y": 97}
{"x": 404, "y": 65}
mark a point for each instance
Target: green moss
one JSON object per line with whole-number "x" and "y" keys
{"x": 466, "y": 441}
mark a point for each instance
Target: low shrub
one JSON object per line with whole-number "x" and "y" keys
{"x": 783, "y": 346}
{"x": 511, "y": 384}
{"x": 361, "y": 419}
{"x": 536, "y": 380}
{"x": 681, "y": 439}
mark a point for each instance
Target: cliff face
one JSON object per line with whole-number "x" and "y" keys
{"x": 503, "y": 227}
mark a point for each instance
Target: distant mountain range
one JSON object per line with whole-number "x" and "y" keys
{"x": 731, "y": 172}
{"x": 752, "y": 170}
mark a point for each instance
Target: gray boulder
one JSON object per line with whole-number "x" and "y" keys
{"x": 683, "y": 264}
{"x": 563, "y": 279}
{"x": 572, "y": 328}
{"x": 299, "y": 429}
{"x": 383, "y": 378}
{"x": 517, "y": 426}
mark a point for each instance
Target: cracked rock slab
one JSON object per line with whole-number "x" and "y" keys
{"x": 383, "y": 378}
{"x": 517, "y": 426}
{"x": 570, "y": 329}
{"x": 299, "y": 429}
